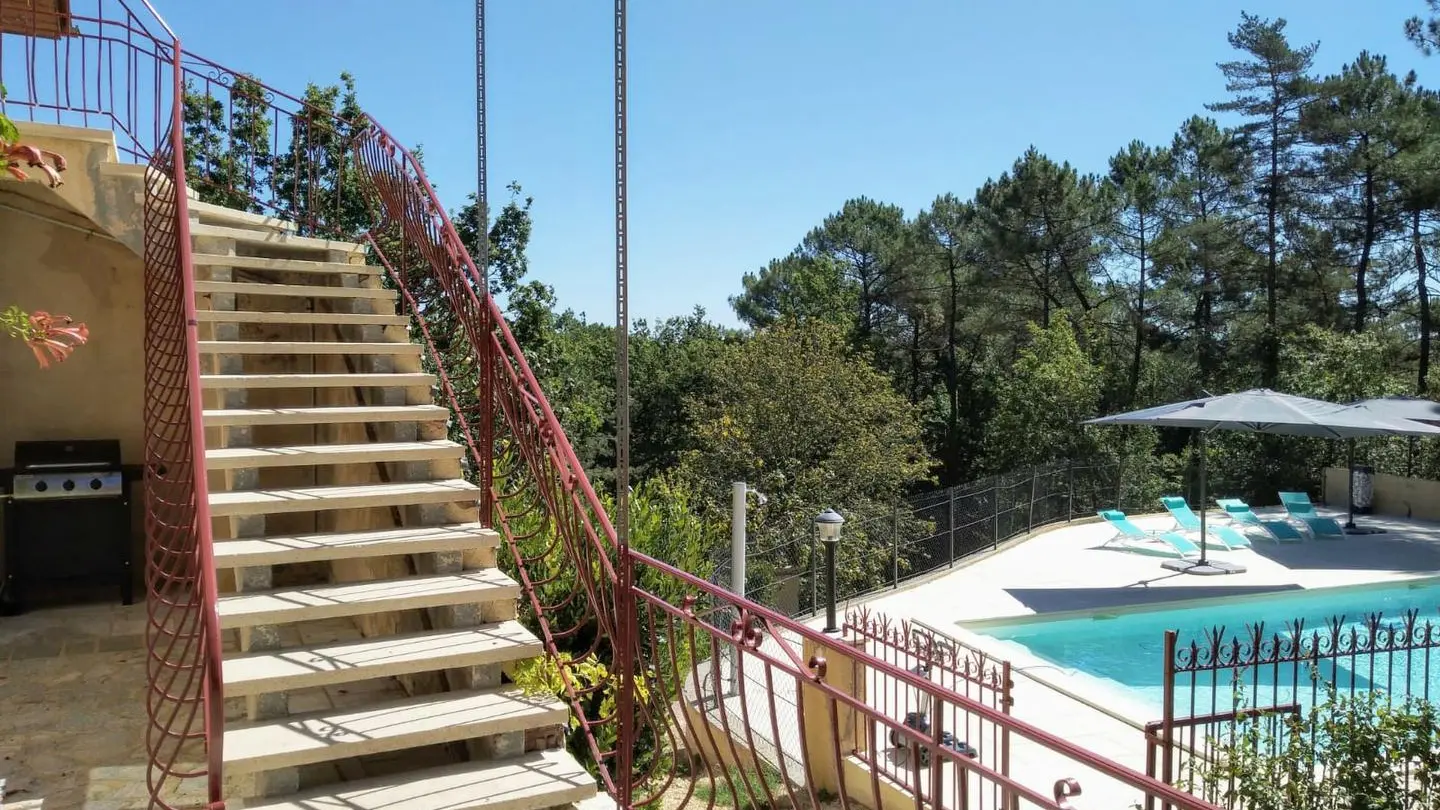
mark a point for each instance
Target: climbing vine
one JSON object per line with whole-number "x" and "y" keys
{"x": 51, "y": 337}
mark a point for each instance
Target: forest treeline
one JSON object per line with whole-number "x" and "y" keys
{"x": 1285, "y": 236}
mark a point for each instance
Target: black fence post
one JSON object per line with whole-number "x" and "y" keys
{"x": 1034, "y": 473}
{"x": 895, "y": 550}
{"x": 1070, "y": 486}
{"x": 952, "y": 525}
{"x": 995, "y": 500}
{"x": 814, "y": 580}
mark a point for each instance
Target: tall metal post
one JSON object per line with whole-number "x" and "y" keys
{"x": 482, "y": 206}
{"x": 1070, "y": 485}
{"x": 1034, "y": 474}
{"x": 895, "y": 546}
{"x": 814, "y": 575}
{"x": 830, "y": 622}
{"x": 627, "y": 646}
{"x": 486, "y": 395}
{"x": 1350, "y": 488}
{"x": 995, "y": 501}
{"x": 952, "y": 526}
{"x": 738, "y": 519}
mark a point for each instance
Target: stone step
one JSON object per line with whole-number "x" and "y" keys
{"x": 300, "y": 318}
{"x": 279, "y": 550}
{"x": 277, "y": 239}
{"x": 285, "y": 605}
{"x": 212, "y": 214}
{"x": 273, "y": 347}
{"x": 390, "y": 726}
{"x": 308, "y": 455}
{"x": 535, "y": 781}
{"x": 383, "y": 657}
{"x": 407, "y": 380}
{"x": 283, "y": 265}
{"x": 356, "y": 414}
{"x": 292, "y": 290}
{"x": 351, "y": 496}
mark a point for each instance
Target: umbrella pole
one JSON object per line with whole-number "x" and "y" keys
{"x": 1350, "y": 488}
{"x": 1203, "y": 565}
{"x": 1200, "y": 443}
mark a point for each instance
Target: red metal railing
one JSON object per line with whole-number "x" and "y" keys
{"x": 120, "y": 68}
{"x": 722, "y": 687}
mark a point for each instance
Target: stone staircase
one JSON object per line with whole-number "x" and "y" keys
{"x": 367, "y": 627}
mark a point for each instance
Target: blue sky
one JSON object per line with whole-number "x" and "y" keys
{"x": 752, "y": 120}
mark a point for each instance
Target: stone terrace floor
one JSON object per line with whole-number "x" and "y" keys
{"x": 72, "y": 707}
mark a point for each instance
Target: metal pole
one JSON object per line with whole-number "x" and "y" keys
{"x": 1200, "y": 443}
{"x": 895, "y": 548}
{"x": 1167, "y": 721}
{"x": 737, "y": 538}
{"x": 995, "y": 501}
{"x": 1350, "y": 488}
{"x": 482, "y": 209}
{"x": 486, "y": 383}
{"x": 1034, "y": 472}
{"x": 830, "y": 626}
{"x": 814, "y": 576}
{"x": 737, "y": 561}
{"x": 1070, "y": 485}
{"x": 952, "y": 526}
{"x": 627, "y": 648}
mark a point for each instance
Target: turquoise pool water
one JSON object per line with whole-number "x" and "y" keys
{"x": 1126, "y": 647}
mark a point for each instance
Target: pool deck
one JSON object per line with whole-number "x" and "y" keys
{"x": 1066, "y": 569}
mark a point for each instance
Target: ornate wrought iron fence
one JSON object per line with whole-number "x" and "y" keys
{"x": 962, "y": 669}
{"x": 1225, "y": 680}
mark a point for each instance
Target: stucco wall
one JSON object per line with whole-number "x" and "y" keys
{"x": 97, "y": 392}
{"x": 1395, "y": 495}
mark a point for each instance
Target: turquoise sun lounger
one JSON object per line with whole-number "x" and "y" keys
{"x": 1187, "y": 520}
{"x": 1281, "y": 531}
{"x": 1131, "y": 537}
{"x": 1300, "y": 508}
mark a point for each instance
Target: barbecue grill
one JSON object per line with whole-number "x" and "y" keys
{"x": 68, "y": 519}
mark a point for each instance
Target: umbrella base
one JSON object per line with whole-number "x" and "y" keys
{"x": 1209, "y": 568}
{"x": 1351, "y": 528}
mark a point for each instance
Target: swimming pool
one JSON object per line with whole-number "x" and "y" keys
{"x": 1125, "y": 648}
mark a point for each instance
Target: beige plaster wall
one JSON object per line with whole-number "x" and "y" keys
{"x": 97, "y": 393}
{"x": 1395, "y": 495}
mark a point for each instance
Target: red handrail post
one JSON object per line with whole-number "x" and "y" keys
{"x": 213, "y": 684}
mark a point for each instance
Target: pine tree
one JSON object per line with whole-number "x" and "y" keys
{"x": 1138, "y": 178}
{"x": 1358, "y": 121}
{"x": 1269, "y": 89}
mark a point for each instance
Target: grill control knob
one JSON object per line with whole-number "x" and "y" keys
{"x": 96, "y": 483}
{"x": 68, "y": 485}
{"x": 41, "y": 486}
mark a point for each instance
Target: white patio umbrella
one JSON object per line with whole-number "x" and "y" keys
{"x": 1417, "y": 409}
{"x": 1261, "y": 411}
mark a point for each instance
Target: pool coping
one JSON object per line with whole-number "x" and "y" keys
{"x": 1181, "y": 604}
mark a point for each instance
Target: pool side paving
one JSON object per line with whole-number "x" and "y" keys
{"x": 1064, "y": 569}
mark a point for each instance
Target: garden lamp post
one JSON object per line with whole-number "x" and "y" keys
{"x": 828, "y": 524}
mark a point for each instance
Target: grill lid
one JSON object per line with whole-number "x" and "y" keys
{"x": 71, "y": 454}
